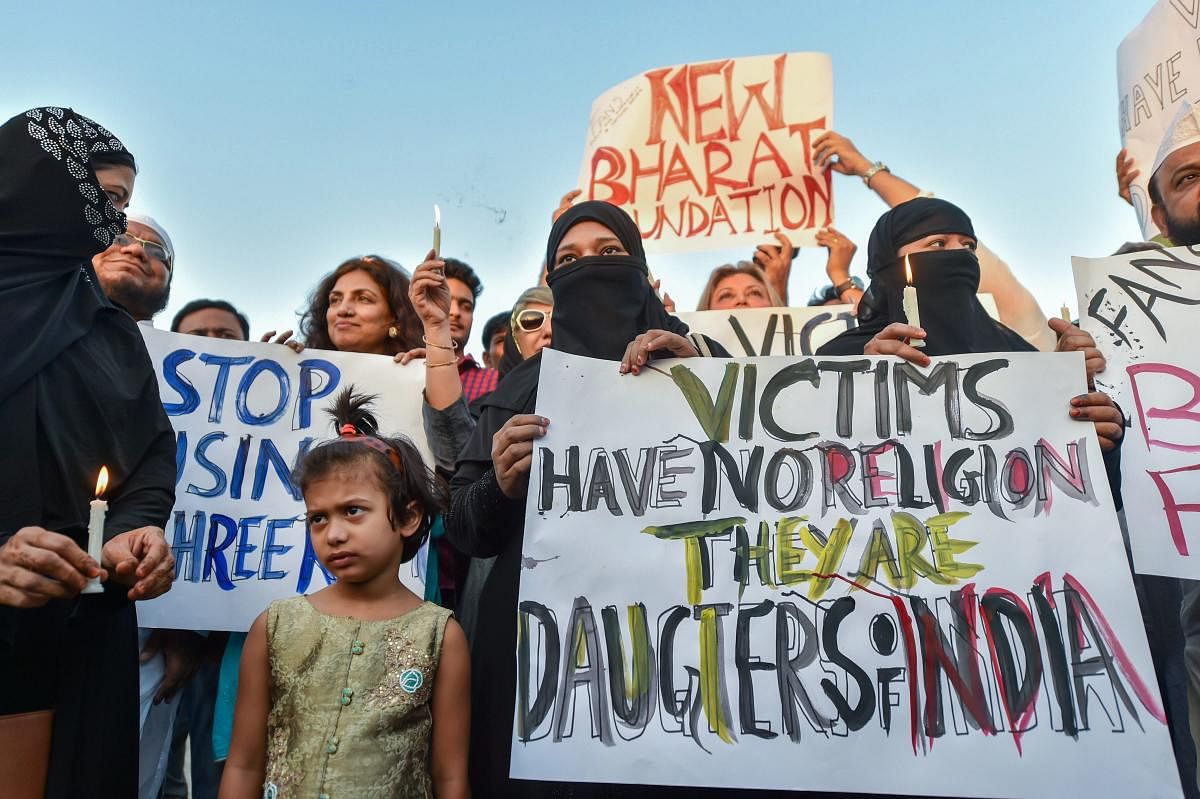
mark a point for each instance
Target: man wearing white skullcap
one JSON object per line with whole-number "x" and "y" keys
{"x": 1175, "y": 180}
{"x": 135, "y": 271}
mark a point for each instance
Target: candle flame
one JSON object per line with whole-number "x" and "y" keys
{"x": 437, "y": 216}
{"x": 102, "y": 482}
{"x": 907, "y": 271}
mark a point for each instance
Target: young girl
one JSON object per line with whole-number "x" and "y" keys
{"x": 360, "y": 689}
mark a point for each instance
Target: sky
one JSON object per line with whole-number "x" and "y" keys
{"x": 275, "y": 140}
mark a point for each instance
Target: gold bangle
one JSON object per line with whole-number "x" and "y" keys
{"x": 428, "y": 343}
{"x": 445, "y": 363}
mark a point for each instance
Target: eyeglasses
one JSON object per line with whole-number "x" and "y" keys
{"x": 152, "y": 248}
{"x": 530, "y": 319}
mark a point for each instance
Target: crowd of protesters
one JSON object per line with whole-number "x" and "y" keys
{"x": 79, "y": 273}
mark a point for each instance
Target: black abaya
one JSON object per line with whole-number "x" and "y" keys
{"x": 77, "y": 393}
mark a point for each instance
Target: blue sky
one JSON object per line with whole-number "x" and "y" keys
{"x": 277, "y": 139}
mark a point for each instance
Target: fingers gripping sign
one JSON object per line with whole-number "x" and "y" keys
{"x": 512, "y": 452}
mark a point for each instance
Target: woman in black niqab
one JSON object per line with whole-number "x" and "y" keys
{"x": 77, "y": 392}
{"x": 603, "y": 301}
{"x": 947, "y": 283}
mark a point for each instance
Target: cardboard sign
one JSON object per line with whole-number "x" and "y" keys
{"x": 244, "y": 413}
{"x": 716, "y": 154}
{"x": 837, "y": 574}
{"x": 1142, "y": 310}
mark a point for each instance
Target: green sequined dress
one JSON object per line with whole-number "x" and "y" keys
{"x": 351, "y": 699}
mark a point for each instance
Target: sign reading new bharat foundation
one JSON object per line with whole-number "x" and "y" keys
{"x": 244, "y": 413}
{"x": 838, "y": 574}
{"x": 715, "y": 154}
{"x": 1142, "y": 310}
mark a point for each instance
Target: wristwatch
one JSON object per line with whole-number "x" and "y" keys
{"x": 875, "y": 169}
{"x": 844, "y": 286}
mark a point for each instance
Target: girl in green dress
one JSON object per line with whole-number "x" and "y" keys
{"x": 361, "y": 689}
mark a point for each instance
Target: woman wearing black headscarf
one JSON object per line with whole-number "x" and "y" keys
{"x": 938, "y": 241}
{"x": 604, "y": 307}
{"x": 77, "y": 392}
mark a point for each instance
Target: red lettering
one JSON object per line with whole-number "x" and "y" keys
{"x": 788, "y": 222}
{"x": 678, "y": 171}
{"x": 1182, "y": 412}
{"x": 695, "y": 73}
{"x": 711, "y": 172}
{"x": 772, "y": 155}
{"x": 636, "y": 173}
{"x": 695, "y": 227}
{"x": 720, "y": 214}
{"x": 754, "y": 92}
{"x": 805, "y": 130}
{"x": 815, "y": 193}
{"x": 661, "y": 103}
{"x": 618, "y": 195}
{"x": 1172, "y": 508}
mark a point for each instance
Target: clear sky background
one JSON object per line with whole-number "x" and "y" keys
{"x": 277, "y": 139}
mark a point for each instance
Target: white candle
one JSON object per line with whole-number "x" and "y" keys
{"x": 911, "y": 311}
{"x": 437, "y": 231}
{"x": 98, "y": 509}
{"x": 1066, "y": 313}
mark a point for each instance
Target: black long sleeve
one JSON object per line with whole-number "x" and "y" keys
{"x": 482, "y": 520}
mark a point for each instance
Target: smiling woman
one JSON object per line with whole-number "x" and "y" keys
{"x": 362, "y": 306}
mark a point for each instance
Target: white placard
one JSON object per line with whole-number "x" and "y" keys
{"x": 243, "y": 413}
{"x": 1158, "y": 68}
{"x": 843, "y": 574}
{"x": 717, "y": 154}
{"x": 1142, "y": 310}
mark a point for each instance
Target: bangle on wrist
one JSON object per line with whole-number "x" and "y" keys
{"x": 430, "y": 365}
{"x": 429, "y": 343}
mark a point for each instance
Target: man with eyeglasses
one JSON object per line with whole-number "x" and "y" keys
{"x": 135, "y": 271}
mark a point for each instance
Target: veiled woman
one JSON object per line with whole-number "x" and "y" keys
{"x": 604, "y": 307}
{"x": 77, "y": 392}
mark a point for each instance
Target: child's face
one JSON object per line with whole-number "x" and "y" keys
{"x": 349, "y": 527}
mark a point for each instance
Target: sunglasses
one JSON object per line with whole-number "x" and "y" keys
{"x": 530, "y": 320}
{"x": 151, "y": 248}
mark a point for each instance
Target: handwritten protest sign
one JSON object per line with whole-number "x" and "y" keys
{"x": 243, "y": 413}
{"x": 781, "y": 331}
{"x": 844, "y": 574}
{"x": 715, "y": 154}
{"x": 1158, "y": 68}
{"x": 1142, "y": 310}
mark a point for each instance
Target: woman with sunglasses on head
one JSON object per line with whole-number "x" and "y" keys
{"x": 529, "y": 327}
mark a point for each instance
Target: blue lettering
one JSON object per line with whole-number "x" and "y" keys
{"x": 306, "y": 567}
{"x": 244, "y": 547}
{"x": 187, "y": 543}
{"x": 268, "y": 454}
{"x": 239, "y": 467}
{"x": 219, "y": 480}
{"x": 189, "y": 396}
{"x": 247, "y": 382}
{"x": 181, "y": 444}
{"x": 271, "y": 549}
{"x": 223, "y": 363}
{"x": 313, "y": 387}
{"x": 214, "y": 558}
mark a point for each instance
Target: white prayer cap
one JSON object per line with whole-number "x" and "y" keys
{"x": 1183, "y": 130}
{"x": 159, "y": 231}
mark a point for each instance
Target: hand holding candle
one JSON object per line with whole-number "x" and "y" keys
{"x": 437, "y": 231}
{"x": 911, "y": 311}
{"x": 96, "y": 529}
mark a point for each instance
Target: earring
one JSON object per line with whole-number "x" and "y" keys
{"x": 393, "y": 332}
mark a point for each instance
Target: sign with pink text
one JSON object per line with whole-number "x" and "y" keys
{"x": 830, "y": 574}
{"x": 1142, "y": 309}
{"x": 716, "y": 154}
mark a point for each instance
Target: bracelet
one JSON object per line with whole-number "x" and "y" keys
{"x": 428, "y": 343}
{"x": 875, "y": 169}
{"x": 430, "y": 365}
{"x": 844, "y": 286}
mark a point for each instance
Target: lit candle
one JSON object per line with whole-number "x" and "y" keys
{"x": 911, "y": 312}
{"x": 1066, "y": 313}
{"x": 96, "y": 529}
{"x": 437, "y": 231}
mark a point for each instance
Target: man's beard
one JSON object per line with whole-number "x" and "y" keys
{"x": 140, "y": 302}
{"x": 1184, "y": 232}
